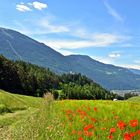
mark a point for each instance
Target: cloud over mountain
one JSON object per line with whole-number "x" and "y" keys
{"x": 24, "y": 7}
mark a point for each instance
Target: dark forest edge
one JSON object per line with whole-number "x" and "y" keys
{"x": 28, "y": 79}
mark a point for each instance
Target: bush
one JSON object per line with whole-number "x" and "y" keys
{"x": 55, "y": 94}
{"x": 4, "y": 109}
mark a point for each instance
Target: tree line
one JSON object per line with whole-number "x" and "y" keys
{"x": 28, "y": 79}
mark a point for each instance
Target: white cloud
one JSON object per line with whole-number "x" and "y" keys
{"x": 131, "y": 66}
{"x": 98, "y": 40}
{"x": 104, "y": 60}
{"x": 30, "y": 4}
{"x": 107, "y": 60}
{"x": 113, "y": 12}
{"x": 80, "y": 32}
{"x": 39, "y": 5}
{"x": 114, "y": 55}
{"x": 64, "y": 52}
{"x": 22, "y": 8}
{"x": 86, "y": 39}
{"x": 50, "y": 28}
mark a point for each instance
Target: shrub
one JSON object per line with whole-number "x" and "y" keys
{"x": 55, "y": 94}
{"x": 4, "y": 109}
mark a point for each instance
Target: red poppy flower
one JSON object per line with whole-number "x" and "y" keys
{"x": 127, "y": 136}
{"x": 132, "y": 134}
{"x": 133, "y": 123}
{"x": 89, "y": 134}
{"x": 103, "y": 128}
{"x": 79, "y": 133}
{"x": 80, "y": 138}
{"x": 112, "y": 130}
{"x": 110, "y": 137}
{"x": 121, "y": 125}
{"x": 90, "y": 126}
{"x": 93, "y": 120}
{"x": 88, "y": 108}
{"x": 95, "y": 109}
{"x": 138, "y": 132}
{"x": 83, "y": 113}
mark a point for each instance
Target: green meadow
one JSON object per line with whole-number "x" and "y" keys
{"x": 31, "y": 118}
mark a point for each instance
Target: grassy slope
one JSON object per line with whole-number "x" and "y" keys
{"x": 25, "y": 118}
{"x": 15, "y": 107}
{"x": 18, "y": 102}
{"x": 135, "y": 99}
{"x": 37, "y": 119}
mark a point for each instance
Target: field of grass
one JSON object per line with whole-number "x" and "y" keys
{"x": 135, "y": 99}
{"x": 30, "y": 118}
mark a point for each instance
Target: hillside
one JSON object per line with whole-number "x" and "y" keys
{"x": 108, "y": 76}
{"x": 15, "y": 102}
{"x": 17, "y": 46}
{"x": 28, "y": 79}
{"x": 23, "y": 117}
{"x": 135, "y": 99}
{"x": 135, "y": 71}
{"x": 14, "y": 108}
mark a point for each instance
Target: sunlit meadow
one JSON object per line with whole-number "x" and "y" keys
{"x": 44, "y": 119}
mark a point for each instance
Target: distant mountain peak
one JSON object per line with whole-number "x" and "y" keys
{"x": 17, "y": 46}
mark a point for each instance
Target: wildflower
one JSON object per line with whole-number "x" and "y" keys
{"x": 73, "y": 131}
{"x": 68, "y": 112}
{"x": 121, "y": 125}
{"x": 116, "y": 117}
{"x": 83, "y": 113}
{"x": 138, "y": 132}
{"x": 80, "y": 138}
{"x": 79, "y": 133}
{"x": 95, "y": 109}
{"x": 93, "y": 120}
{"x": 133, "y": 123}
{"x": 89, "y": 134}
{"x": 86, "y": 128}
{"x": 132, "y": 134}
{"x": 110, "y": 137}
{"x": 103, "y": 128}
{"x": 88, "y": 108}
{"x": 127, "y": 136}
{"x": 112, "y": 130}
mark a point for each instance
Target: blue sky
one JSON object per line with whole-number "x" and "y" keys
{"x": 106, "y": 30}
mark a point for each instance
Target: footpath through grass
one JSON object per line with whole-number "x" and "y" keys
{"x": 30, "y": 118}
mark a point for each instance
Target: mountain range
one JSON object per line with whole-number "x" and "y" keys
{"x": 17, "y": 46}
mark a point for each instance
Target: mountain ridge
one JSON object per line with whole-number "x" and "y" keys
{"x": 17, "y": 46}
{"x": 135, "y": 71}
